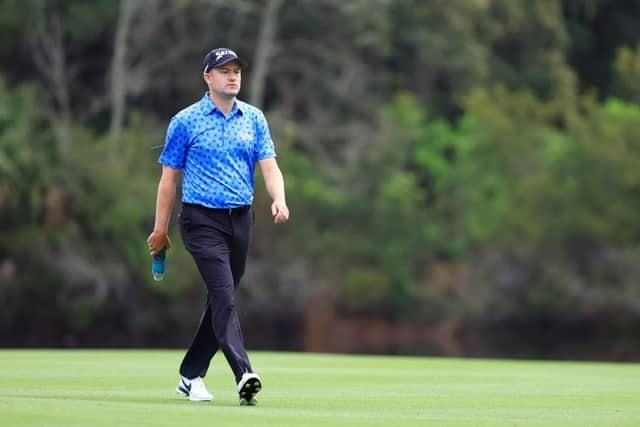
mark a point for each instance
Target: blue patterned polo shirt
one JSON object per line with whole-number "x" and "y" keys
{"x": 218, "y": 153}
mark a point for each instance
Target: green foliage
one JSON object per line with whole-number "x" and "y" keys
{"x": 366, "y": 289}
{"x": 531, "y": 182}
{"x": 529, "y": 42}
{"x": 400, "y": 216}
{"x": 608, "y": 154}
{"x": 627, "y": 74}
{"x": 440, "y": 49}
{"x": 440, "y": 158}
{"x": 80, "y": 242}
{"x": 593, "y": 51}
{"x": 26, "y": 156}
{"x": 503, "y": 159}
{"x": 548, "y": 198}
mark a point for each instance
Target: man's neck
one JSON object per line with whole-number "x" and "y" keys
{"x": 224, "y": 104}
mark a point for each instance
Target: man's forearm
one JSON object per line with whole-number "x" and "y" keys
{"x": 274, "y": 182}
{"x": 164, "y": 204}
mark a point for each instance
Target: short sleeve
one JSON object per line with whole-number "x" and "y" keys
{"x": 175, "y": 145}
{"x": 264, "y": 144}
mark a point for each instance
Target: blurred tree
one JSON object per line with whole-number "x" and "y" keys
{"x": 441, "y": 160}
{"x": 439, "y": 50}
{"x": 27, "y": 167}
{"x": 263, "y": 54}
{"x": 529, "y": 44}
{"x": 597, "y": 29}
{"x": 548, "y": 206}
{"x": 396, "y": 217}
{"x": 626, "y": 82}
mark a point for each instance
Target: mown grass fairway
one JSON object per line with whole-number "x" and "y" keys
{"x": 136, "y": 388}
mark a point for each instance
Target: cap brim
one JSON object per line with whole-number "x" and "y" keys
{"x": 240, "y": 61}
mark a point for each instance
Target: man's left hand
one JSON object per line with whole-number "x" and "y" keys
{"x": 280, "y": 211}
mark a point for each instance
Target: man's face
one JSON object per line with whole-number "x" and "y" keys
{"x": 225, "y": 80}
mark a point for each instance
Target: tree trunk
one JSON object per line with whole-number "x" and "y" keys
{"x": 49, "y": 57}
{"x": 266, "y": 42}
{"x": 118, "y": 76}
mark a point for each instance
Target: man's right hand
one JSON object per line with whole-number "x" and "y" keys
{"x": 158, "y": 241}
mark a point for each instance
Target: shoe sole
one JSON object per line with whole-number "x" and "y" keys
{"x": 200, "y": 399}
{"x": 248, "y": 392}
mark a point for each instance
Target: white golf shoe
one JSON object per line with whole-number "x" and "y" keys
{"x": 194, "y": 389}
{"x": 249, "y": 385}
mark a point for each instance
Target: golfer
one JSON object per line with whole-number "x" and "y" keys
{"x": 217, "y": 142}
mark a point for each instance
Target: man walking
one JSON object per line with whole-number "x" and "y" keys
{"x": 217, "y": 142}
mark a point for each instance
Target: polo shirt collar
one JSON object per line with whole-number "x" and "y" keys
{"x": 208, "y": 107}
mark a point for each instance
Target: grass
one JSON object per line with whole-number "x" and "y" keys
{"x": 136, "y": 388}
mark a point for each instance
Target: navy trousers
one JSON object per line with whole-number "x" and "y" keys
{"x": 218, "y": 240}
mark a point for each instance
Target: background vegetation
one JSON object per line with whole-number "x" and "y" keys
{"x": 463, "y": 176}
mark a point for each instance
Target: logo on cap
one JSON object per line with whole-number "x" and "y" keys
{"x": 223, "y": 52}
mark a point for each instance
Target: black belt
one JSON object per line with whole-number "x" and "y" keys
{"x": 227, "y": 211}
